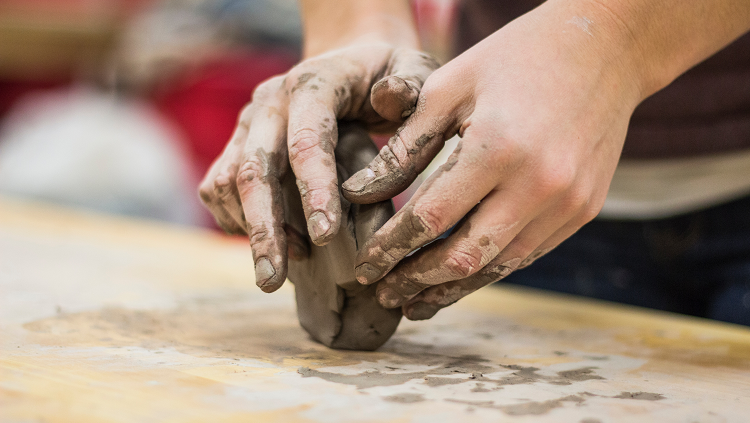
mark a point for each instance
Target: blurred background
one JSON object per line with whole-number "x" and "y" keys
{"x": 121, "y": 105}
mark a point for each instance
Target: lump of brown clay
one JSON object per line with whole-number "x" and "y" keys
{"x": 332, "y": 306}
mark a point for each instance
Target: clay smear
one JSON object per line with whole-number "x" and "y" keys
{"x": 455, "y": 372}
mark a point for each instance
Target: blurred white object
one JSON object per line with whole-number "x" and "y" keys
{"x": 84, "y": 148}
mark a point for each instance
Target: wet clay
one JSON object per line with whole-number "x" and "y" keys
{"x": 332, "y": 306}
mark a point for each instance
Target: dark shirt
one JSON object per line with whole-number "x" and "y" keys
{"x": 704, "y": 111}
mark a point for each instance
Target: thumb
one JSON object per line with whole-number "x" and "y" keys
{"x": 437, "y": 118}
{"x": 395, "y": 96}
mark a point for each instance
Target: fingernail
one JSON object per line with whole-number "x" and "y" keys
{"x": 388, "y": 298}
{"x": 319, "y": 224}
{"x": 366, "y": 273}
{"x": 360, "y": 180}
{"x": 420, "y": 311}
{"x": 263, "y": 271}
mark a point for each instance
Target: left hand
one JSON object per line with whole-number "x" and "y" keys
{"x": 542, "y": 107}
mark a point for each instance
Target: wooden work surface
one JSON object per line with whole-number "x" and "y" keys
{"x": 108, "y": 319}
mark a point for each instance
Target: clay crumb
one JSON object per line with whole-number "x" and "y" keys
{"x": 648, "y": 396}
{"x": 480, "y": 388}
{"x": 405, "y": 398}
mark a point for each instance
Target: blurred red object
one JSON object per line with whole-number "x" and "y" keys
{"x": 206, "y": 105}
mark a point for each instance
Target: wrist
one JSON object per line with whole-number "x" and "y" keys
{"x": 658, "y": 41}
{"x": 601, "y": 43}
{"x": 328, "y": 25}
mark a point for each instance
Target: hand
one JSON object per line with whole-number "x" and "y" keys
{"x": 542, "y": 107}
{"x": 292, "y": 119}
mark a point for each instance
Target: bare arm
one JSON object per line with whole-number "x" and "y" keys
{"x": 663, "y": 39}
{"x": 330, "y": 24}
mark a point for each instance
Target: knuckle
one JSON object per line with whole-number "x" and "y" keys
{"x": 205, "y": 192}
{"x": 303, "y": 145}
{"x": 397, "y": 155}
{"x": 427, "y": 221}
{"x": 258, "y": 233}
{"x": 519, "y": 247}
{"x": 250, "y": 172}
{"x": 556, "y": 179}
{"x": 245, "y": 114}
{"x": 495, "y": 272}
{"x": 407, "y": 287}
{"x": 300, "y": 75}
{"x": 506, "y": 153}
{"x": 462, "y": 264}
{"x": 572, "y": 204}
{"x": 437, "y": 83}
{"x": 222, "y": 183}
{"x": 267, "y": 89}
{"x": 590, "y": 211}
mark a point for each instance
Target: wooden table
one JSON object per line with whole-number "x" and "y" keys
{"x": 109, "y": 319}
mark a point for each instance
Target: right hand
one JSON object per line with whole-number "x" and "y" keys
{"x": 292, "y": 118}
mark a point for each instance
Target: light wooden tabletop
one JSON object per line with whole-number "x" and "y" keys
{"x": 109, "y": 319}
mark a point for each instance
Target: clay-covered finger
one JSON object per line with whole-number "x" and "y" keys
{"x": 225, "y": 189}
{"x": 409, "y": 151}
{"x": 218, "y": 190}
{"x": 395, "y": 96}
{"x": 312, "y": 138}
{"x": 519, "y": 253}
{"x": 258, "y": 184}
{"x": 425, "y": 305}
{"x": 443, "y": 199}
{"x": 477, "y": 241}
{"x": 223, "y": 219}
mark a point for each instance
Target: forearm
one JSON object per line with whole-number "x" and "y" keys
{"x": 663, "y": 39}
{"x": 330, "y": 24}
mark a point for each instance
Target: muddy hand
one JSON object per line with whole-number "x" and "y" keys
{"x": 542, "y": 117}
{"x": 292, "y": 119}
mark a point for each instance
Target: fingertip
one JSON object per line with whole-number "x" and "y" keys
{"x": 321, "y": 228}
{"x": 358, "y": 182}
{"x": 388, "y": 298}
{"x": 267, "y": 277}
{"x": 366, "y": 273}
{"x": 382, "y": 179}
{"x": 419, "y": 311}
{"x": 394, "y": 98}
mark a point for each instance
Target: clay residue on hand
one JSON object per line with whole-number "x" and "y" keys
{"x": 394, "y": 98}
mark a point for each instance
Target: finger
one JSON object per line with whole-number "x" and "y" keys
{"x": 312, "y": 135}
{"x": 258, "y": 184}
{"x": 467, "y": 250}
{"x": 410, "y": 150}
{"x": 434, "y": 208}
{"x": 539, "y": 236}
{"x": 527, "y": 246}
{"x": 218, "y": 190}
{"x": 223, "y": 219}
{"x": 225, "y": 188}
{"x": 425, "y": 305}
{"x": 395, "y": 96}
